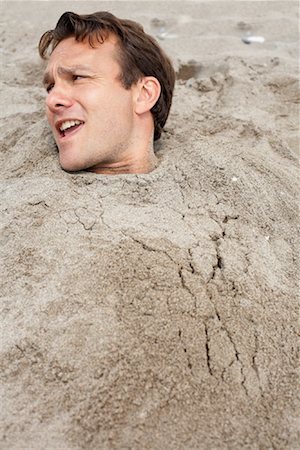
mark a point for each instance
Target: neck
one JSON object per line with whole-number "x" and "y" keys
{"x": 132, "y": 165}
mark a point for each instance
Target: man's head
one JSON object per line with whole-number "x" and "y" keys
{"x": 110, "y": 90}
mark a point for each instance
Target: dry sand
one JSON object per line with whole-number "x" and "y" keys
{"x": 156, "y": 311}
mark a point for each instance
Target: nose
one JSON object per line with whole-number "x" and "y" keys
{"x": 58, "y": 99}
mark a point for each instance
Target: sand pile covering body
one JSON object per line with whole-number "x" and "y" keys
{"x": 156, "y": 311}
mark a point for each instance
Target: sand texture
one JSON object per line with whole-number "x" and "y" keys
{"x": 156, "y": 311}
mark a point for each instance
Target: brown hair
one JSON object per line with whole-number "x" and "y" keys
{"x": 139, "y": 55}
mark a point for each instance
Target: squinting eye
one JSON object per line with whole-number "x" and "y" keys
{"x": 49, "y": 87}
{"x": 78, "y": 77}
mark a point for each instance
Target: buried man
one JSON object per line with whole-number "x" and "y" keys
{"x": 110, "y": 90}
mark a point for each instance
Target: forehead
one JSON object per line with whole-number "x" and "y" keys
{"x": 70, "y": 52}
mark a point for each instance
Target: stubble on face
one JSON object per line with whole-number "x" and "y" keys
{"x": 86, "y": 86}
{"x": 95, "y": 97}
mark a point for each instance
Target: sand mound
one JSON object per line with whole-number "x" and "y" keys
{"x": 157, "y": 311}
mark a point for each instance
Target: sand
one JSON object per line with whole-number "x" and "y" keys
{"x": 156, "y": 311}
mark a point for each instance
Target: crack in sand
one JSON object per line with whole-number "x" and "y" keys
{"x": 189, "y": 364}
{"x": 219, "y": 266}
{"x": 193, "y": 270}
{"x": 186, "y": 287}
{"x": 254, "y": 364}
{"x": 219, "y": 260}
{"x": 39, "y": 202}
{"x": 87, "y": 221}
{"x": 208, "y": 361}
{"x": 179, "y": 182}
{"x": 149, "y": 248}
{"x": 239, "y": 360}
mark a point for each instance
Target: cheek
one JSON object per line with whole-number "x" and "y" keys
{"x": 106, "y": 100}
{"x": 49, "y": 115}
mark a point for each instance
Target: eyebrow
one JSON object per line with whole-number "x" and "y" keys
{"x": 64, "y": 71}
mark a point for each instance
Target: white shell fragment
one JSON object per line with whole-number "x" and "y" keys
{"x": 253, "y": 39}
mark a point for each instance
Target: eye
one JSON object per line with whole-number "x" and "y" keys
{"x": 78, "y": 77}
{"x": 49, "y": 87}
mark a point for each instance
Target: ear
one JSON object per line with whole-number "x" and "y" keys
{"x": 147, "y": 94}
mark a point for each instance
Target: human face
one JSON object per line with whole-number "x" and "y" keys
{"x": 84, "y": 91}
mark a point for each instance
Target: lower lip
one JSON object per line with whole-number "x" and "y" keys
{"x": 70, "y": 133}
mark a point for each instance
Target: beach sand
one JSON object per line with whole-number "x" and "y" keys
{"x": 156, "y": 311}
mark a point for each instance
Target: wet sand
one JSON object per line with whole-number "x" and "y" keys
{"x": 156, "y": 311}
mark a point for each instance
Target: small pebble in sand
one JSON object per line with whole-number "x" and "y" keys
{"x": 191, "y": 83}
{"x": 234, "y": 179}
{"x": 275, "y": 61}
{"x": 253, "y": 39}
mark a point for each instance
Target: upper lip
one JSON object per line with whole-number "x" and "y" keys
{"x": 59, "y": 123}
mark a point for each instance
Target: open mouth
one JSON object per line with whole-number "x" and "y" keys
{"x": 69, "y": 127}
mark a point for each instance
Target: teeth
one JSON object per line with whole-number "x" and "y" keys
{"x": 68, "y": 124}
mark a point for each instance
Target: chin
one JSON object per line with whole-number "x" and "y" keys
{"x": 71, "y": 166}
